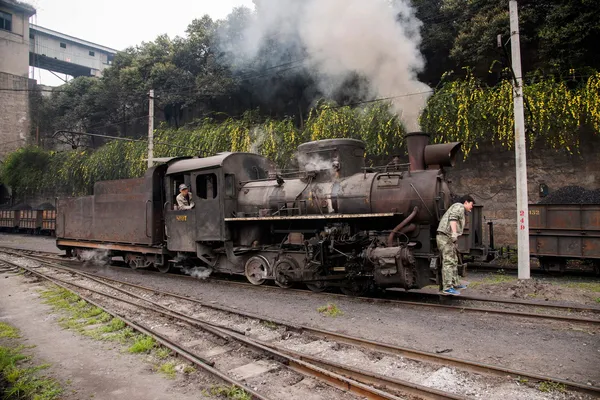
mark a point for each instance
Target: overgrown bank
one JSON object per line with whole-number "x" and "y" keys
{"x": 462, "y": 110}
{"x": 19, "y": 379}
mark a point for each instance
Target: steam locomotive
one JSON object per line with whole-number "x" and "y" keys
{"x": 334, "y": 222}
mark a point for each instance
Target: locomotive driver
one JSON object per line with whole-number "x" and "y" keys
{"x": 184, "y": 198}
{"x": 450, "y": 228}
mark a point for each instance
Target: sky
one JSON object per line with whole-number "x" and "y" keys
{"x": 122, "y": 23}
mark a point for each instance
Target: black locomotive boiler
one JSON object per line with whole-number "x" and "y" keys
{"x": 334, "y": 222}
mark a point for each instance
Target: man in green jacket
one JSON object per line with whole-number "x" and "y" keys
{"x": 450, "y": 228}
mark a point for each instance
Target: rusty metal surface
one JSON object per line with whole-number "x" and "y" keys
{"x": 122, "y": 211}
{"x": 64, "y": 243}
{"x": 441, "y": 155}
{"x": 415, "y": 145}
{"x": 565, "y": 230}
{"x": 180, "y": 230}
{"x": 30, "y": 219}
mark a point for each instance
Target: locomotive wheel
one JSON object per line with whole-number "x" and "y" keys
{"x": 257, "y": 270}
{"x": 317, "y": 287}
{"x": 281, "y": 270}
{"x": 356, "y": 288}
{"x": 163, "y": 268}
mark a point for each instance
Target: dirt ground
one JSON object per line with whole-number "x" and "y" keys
{"x": 85, "y": 368}
{"x": 29, "y": 242}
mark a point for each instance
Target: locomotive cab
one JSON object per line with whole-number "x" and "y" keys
{"x": 199, "y": 233}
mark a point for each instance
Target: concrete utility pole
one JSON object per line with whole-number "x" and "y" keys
{"x": 520, "y": 149}
{"x": 151, "y": 128}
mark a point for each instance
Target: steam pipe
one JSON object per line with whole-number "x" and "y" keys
{"x": 401, "y": 225}
{"x": 409, "y": 228}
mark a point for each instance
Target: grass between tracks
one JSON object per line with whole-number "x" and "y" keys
{"x": 91, "y": 321}
{"x": 229, "y": 392}
{"x": 19, "y": 379}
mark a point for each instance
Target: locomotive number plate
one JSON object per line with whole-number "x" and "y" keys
{"x": 181, "y": 218}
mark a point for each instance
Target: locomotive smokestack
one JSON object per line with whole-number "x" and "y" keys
{"x": 415, "y": 145}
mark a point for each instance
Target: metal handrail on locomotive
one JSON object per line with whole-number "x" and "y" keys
{"x": 334, "y": 222}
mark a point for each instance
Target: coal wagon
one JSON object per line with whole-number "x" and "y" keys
{"x": 559, "y": 233}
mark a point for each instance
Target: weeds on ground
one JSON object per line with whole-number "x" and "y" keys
{"x": 522, "y": 380}
{"x": 230, "y": 392}
{"x": 330, "y": 310}
{"x": 82, "y": 314}
{"x": 142, "y": 344}
{"x": 21, "y": 382}
{"x": 589, "y": 286}
{"x": 162, "y": 353}
{"x": 188, "y": 369}
{"x": 550, "y": 386}
{"x": 7, "y": 331}
{"x": 168, "y": 369}
{"x": 597, "y": 299}
{"x": 493, "y": 279}
{"x": 114, "y": 325}
{"x": 270, "y": 325}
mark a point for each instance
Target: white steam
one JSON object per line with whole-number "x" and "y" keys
{"x": 99, "y": 257}
{"x": 198, "y": 272}
{"x": 376, "y": 39}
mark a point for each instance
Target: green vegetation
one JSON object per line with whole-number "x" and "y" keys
{"x": 80, "y": 315}
{"x": 142, "y": 344}
{"x": 21, "y": 381}
{"x": 230, "y": 392}
{"x": 162, "y": 353}
{"x": 188, "y": 369}
{"x": 168, "y": 369}
{"x": 588, "y": 286}
{"x": 271, "y": 325}
{"x": 330, "y": 310}
{"x": 493, "y": 279}
{"x": 549, "y": 386}
{"x": 8, "y": 331}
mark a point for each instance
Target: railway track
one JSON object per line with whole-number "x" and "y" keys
{"x": 362, "y": 381}
{"x": 464, "y": 303}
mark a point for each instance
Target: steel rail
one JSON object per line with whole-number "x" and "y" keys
{"x": 171, "y": 345}
{"x": 337, "y": 378}
{"x": 373, "y": 345}
{"x": 462, "y": 297}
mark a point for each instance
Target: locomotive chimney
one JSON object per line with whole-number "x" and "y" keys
{"x": 415, "y": 145}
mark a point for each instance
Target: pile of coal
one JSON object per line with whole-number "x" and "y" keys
{"x": 572, "y": 195}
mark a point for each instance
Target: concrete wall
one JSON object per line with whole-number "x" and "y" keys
{"x": 488, "y": 174}
{"x": 14, "y": 45}
{"x": 14, "y": 112}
